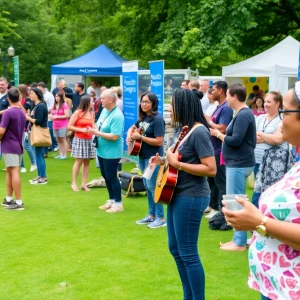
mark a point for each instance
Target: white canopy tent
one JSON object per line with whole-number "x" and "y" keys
{"x": 279, "y": 63}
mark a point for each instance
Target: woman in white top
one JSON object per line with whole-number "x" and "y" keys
{"x": 269, "y": 144}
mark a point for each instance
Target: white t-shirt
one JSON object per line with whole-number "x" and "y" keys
{"x": 211, "y": 108}
{"x": 266, "y": 126}
{"x": 96, "y": 90}
{"x": 204, "y": 102}
{"x": 49, "y": 99}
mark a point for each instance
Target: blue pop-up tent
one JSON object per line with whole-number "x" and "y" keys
{"x": 101, "y": 61}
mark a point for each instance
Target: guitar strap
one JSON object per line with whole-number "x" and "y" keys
{"x": 188, "y": 135}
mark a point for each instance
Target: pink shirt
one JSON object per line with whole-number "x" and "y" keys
{"x": 274, "y": 266}
{"x": 258, "y": 113}
{"x": 60, "y": 123}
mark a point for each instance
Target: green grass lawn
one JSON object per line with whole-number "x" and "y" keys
{"x": 62, "y": 236}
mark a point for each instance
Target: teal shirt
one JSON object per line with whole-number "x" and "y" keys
{"x": 112, "y": 122}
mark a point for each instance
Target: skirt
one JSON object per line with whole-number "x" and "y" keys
{"x": 83, "y": 149}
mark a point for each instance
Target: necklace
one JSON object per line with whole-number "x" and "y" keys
{"x": 265, "y": 127}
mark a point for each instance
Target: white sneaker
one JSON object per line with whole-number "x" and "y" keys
{"x": 208, "y": 210}
{"x": 55, "y": 149}
{"x": 211, "y": 214}
{"x": 115, "y": 208}
{"x": 33, "y": 168}
{"x": 23, "y": 170}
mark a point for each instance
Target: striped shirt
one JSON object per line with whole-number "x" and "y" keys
{"x": 269, "y": 127}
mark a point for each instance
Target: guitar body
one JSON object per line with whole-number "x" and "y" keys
{"x": 165, "y": 184}
{"x": 134, "y": 148}
{"x": 135, "y": 145}
{"x": 167, "y": 177}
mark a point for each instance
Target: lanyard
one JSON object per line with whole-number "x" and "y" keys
{"x": 265, "y": 127}
{"x": 101, "y": 123}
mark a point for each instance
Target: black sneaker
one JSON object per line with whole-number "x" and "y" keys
{"x": 8, "y": 203}
{"x": 16, "y": 206}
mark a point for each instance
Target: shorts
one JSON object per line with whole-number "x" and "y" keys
{"x": 12, "y": 160}
{"x": 60, "y": 132}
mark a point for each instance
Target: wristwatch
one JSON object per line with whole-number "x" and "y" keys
{"x": 261, "y": 229}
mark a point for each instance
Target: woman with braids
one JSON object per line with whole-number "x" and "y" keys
{"x": 152, "y": 142}
{"x": 191, "y": 195}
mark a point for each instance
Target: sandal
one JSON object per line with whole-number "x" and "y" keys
{"x": 85, "y": 188}
{"x": 75, "y": 188}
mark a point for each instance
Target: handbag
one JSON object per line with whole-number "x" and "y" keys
{"x": 70, "y": 134}
{"x": 40, "y": 137}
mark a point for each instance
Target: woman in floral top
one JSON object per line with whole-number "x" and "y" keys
{"x": 274, "y": 254}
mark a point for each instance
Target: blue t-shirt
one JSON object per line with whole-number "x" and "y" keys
{"x": 153, "y": 127}
{"x": 112, "y": 122}
{"x": 240, "y": 140}
{"x": 222, "y": 115}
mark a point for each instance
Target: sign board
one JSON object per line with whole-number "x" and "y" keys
{"x": 157, "y": 82}
{"x": 130, "y": 95}
{"x": 16, "y": 70}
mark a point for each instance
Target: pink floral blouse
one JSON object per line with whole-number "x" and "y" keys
{"x": 274, "y": 266}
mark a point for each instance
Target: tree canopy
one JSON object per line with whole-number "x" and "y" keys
{"x": 201, "y": 34}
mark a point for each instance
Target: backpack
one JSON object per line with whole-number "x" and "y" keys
{"x": 218, "y": 222}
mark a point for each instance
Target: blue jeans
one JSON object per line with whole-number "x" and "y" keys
{"x": 236, "y": 179}
{"x": 40, "y": 162}
{"x": 154, "y": 209}
{"x": 109, "y": 171}
{"x": 264, "y": 298}
{"x": 53, "y": 139}
{"x": 183, "y": 224}
{"x": 30, "y": 152}
{"x": 256, "y": 196}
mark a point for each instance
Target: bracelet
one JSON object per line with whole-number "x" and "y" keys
{"x": 218, "y": 135}
{"x": 180, "y": 166}
{"x": 141, "y": 137}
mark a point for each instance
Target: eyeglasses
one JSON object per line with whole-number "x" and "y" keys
{"x": 281, "y": 112}
{"x": 146, "y": 102}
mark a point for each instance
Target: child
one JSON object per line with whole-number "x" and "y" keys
{"x": 11, "y": 132}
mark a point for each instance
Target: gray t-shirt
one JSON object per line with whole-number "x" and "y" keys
{"x": 197, "y": 146}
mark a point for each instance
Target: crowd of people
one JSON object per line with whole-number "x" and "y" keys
{"x": 229, "y": 137}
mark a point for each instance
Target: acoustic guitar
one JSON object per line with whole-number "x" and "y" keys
{"x": 135, "y": 146}
{"x": 167, "y": 176}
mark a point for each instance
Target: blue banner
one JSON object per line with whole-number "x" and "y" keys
{"x": 157, "y": 82}
{"x": 130, "y": 96}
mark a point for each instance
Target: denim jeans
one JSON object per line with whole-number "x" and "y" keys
{"x": 264, "y": 297}
{"x": 29, "y": 150}
{"x": 183, "y": 225}
{"x": 53, "y": 139}
{"x": 109, "y": 171}
{"x": 220, "y": 186}
{"x": 256, "y": 167}
{"x": 256, "y": 195}
{"x": 236, "y": 179}
{"x": 154, "y": 209}
{"x": 40, "y": 161}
